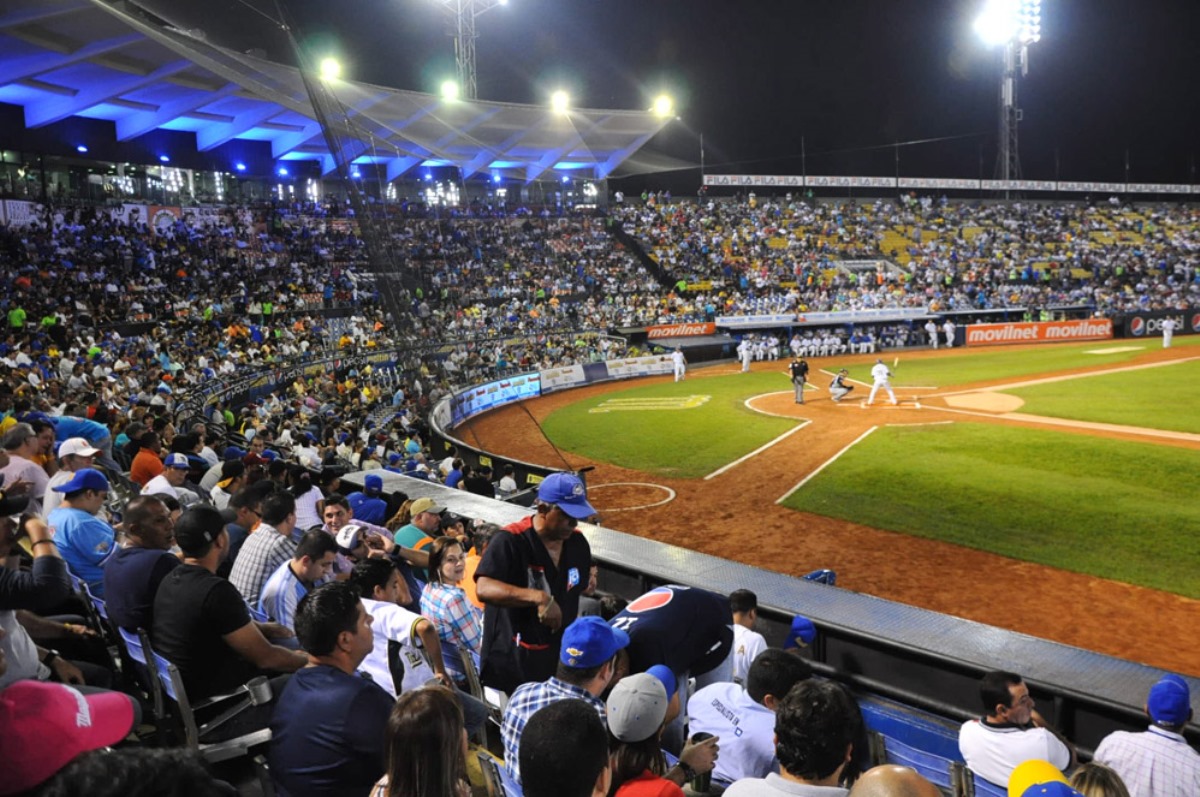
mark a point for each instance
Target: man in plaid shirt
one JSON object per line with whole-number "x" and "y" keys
{"x": 267, "y": 547}
{"x": 586, "y": 663}
{"x": 1158, "y": 761}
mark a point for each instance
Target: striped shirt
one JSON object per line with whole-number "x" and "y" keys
{"x": 1157, "y": 763}
{"x": 261, "y": 555}
{"x": 281, "y": 594}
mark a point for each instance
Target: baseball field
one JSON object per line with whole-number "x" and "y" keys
{"x": 1047, "y": 489}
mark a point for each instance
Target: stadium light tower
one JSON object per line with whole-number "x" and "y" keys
{"x": 1013, "y": 25}
{"x": 463, "y": 14}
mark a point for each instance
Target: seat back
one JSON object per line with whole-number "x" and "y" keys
{"x": 978, "y": 787}
{"x": 133, "y": 654}
{"x": 172, "y": 688}
{"x": 496, "y": 777}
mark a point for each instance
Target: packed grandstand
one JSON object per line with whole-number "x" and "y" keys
{"x": 225, "y": 481}
{"x": 121, "y": 335}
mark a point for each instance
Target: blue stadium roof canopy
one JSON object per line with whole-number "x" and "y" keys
{"x": 90, "y": 58}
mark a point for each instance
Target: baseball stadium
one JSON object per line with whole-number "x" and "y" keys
{"x": 944, "y": 419}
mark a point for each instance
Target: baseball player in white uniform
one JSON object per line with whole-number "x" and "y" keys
{"x": 882, "y": 377}
{"x": 1168, "y": 328}
{"x": 932, "y": 333}
{"x": 746, "y": 352}
{"x": 680, "y": 363}
{"x": 949, "y": 328}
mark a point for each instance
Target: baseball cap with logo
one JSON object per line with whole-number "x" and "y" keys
{"x": 372, "y": 484}
{"x": 1170, "y": 701}
{"x": 1037, "y": 778}
{"x": 47, "y": 725}
{"x": 801, "y": 634}
{"x": 84, "y": 479}
{"x": 176, "y": 460}
{"x": 589, "y": 642}
{"x": 637, "y": 707}
{"x": 76, "y": 447}
{"x": 348, "y": 537}
{"x": 425, "y": 505}
{"x": 567, "y": 492}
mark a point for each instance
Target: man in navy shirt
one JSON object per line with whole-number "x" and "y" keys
{"x": 133, "y": 573}
{"x": 328, "y": 733}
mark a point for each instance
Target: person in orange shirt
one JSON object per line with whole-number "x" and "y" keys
{"x": 482, "y": 536}
{"x": 147, "y": 463}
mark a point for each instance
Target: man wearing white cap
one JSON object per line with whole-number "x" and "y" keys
{"x": 74, "y": 454}
{"x": 530, "y": 582}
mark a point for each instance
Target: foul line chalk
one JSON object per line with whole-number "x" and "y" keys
{"x": 825, "y": 464}
{"x": 756, "y": 451}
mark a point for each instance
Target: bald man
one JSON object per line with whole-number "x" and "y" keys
{"x": 890, "y": 780}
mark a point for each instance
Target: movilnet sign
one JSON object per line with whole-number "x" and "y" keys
{"x": 679, "y": 330}
{"x": 1039, "y": 332}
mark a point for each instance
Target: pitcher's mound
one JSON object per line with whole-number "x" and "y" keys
{"x": 986, "y": 402}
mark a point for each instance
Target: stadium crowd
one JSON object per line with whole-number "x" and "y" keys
{"x": 781, "y": 255}
{"x": 222, "y": 533}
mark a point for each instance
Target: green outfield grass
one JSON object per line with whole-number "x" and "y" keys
{"x": 1158, "y": 398}
{"x": 1109, "y": 508}
{"x": 962, "y": 366}
{"x": 686, "y": 443}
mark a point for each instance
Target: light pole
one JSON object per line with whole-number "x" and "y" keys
{"x": 1013, "y": 25}
{"x": 463, "y": 14}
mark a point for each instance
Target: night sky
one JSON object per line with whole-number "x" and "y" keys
{"x": 850, "y": 77}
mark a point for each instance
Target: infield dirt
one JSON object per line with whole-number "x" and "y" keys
{"x": 734, "y": 515}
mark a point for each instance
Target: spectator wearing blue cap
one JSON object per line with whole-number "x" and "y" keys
{"x": 1157, "y": 761}
{"x": 368, "y": 504}
{"x": 586, "y": 664}
{"x": 170, "y": 481}
{"x": 530, "y": 582}
{"x": 84, "y": 540}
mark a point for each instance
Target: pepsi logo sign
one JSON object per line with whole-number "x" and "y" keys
{"x": 1137, "y": 327}
{"x": 1196, "y": 322}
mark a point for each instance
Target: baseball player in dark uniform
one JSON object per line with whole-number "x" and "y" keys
{"x": 838, "y": 388}
{"x": 799, "y": 373}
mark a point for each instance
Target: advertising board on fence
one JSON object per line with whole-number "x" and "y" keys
{"x": 679, "y": 330}
{"x": 1149, "y": 324}
{"x": 490, "y": 395}
{"x": 752, "y": 321}
{"x": 1039, "y": 332}
{"x": 639, "y": 366}
{"x": 564, "y": 376}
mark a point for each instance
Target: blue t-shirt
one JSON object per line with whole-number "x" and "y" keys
{"x": 328, "y": 734}
{"x": 131, "y": 579}
{"x": 85, "y": 542}
{"x": 68, "y": 426}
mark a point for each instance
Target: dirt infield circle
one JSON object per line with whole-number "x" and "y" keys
{"x": 734, "y": 515}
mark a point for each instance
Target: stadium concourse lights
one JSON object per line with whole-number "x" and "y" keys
{"x": 331, "y": 68}
{"x": 663, "y": 106}
{"x": 449, "y": 91}
{"x": 1004, "y": 21}
{"x": 560, "y": 101}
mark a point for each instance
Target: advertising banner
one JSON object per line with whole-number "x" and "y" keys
{"x": 752, "y": 321}
{"x": 563, "y": 377}
{"x": 490, "y": 395}
{"x": 1150, "y": 324}
{"x": 19, "y": 213}
{"x": 1039, "y": 332}
{"x": 940, "y": 183}
{"x": 679, "y": 330}
{"x": 639, "y": 366}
